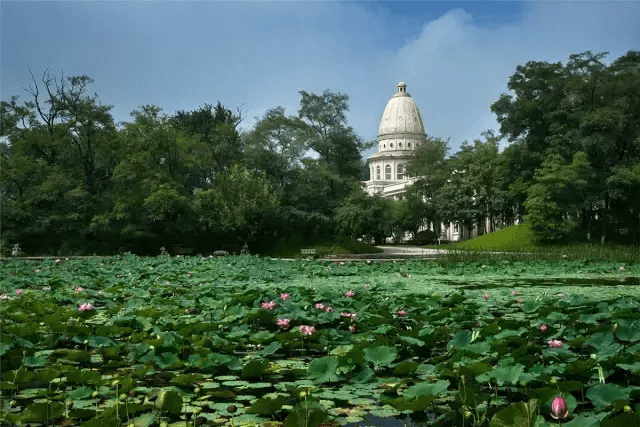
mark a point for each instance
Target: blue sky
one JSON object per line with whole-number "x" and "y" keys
{"x": 455, "y": 57}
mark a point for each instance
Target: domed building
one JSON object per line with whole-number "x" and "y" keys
{"x": 401, "y": 132}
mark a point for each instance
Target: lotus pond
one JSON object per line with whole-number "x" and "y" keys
{"x": 250, "y": 341}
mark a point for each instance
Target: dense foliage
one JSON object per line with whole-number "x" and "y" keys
{"x": 252, "y": 341}
{"x": 73, "y": 181}
{"x": 572, "y": 168}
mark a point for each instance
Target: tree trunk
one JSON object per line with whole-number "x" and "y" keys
{"x": 605, "y": 217}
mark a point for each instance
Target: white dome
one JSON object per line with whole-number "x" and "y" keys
{"x": 401, "y": 116}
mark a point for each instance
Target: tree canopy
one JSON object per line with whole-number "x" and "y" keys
{"x": 74, "y": 181}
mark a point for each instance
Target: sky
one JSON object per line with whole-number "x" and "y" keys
{"x": 455, "y": 57}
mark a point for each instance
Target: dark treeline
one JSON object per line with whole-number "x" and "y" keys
{"x": 73, "y": 181}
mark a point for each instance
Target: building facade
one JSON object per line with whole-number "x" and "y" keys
{"x": 400, "y": 134}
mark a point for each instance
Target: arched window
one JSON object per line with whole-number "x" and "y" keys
{"x": 387, "y": 173}
{"x": 378, "y": 173}
{"x": 400, "y": 173}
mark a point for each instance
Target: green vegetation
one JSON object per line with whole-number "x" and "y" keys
{"x": 75, "y": 182}
{"x": 254, "y": 341}
{"x": 290, "y": 248}
{"x": 516, "y": 238}
{"x": 517, "y": 243}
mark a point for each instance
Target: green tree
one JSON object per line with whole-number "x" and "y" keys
{"x": 233, "y": 203}
{"x": 362, "y": 215}
{"x": 329, "y": 135}
{"x": 585, "y": 106}
{"x": 152, "y": 190}
{"x": 275, "y": 147}
{"x": 556, "y": 200}
{"x": 217, "y": 130}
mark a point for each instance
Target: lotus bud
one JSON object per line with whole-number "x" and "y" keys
{"x": 13, "y": 403}
{"x": 85, "y": 342}
{"x": 627, "y": 408}
{"x": 115, "y": 383}
{"x": 196, "y": 390}
{"x": 559, "y": 408}
{"x": 123, "y": 396}
{"x": 554, "y": 381}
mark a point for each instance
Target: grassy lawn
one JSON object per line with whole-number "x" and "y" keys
{"x": 516, "y": 242}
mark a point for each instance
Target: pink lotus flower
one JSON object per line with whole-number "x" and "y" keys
{"x": 520, "y": 300}
{"x": 78, "y": 288}
{"x": 283, "y": 323}
{"x": 401, "y": 313}
{"x": 320, "y": 306}
{"x": 622, "y": 268}
{"x": 555, "y": 343}
{"x": 349, "y": 294}
{"x": 352, "y": 329}
{"x": 543, "y": 328}
{"x": 200, "y": 284}
{"x": 46, "y": 288}
{"x": 268, "y": 305}
{"x": 328, "y": 308}
{"x": 58, "y": 261}
{"x": 18, "y": 292}
{"x": 366, "y": 286}
{"x": 101, "y": 264}
{"x": 560, "y": 295}
{"x": 351, "y": 316}
{"x": 37, "y": 270}
{"x": 186, "y": 311}
{"x": 485, "y": 296}
{"x": 307, "y": 330}
{"x": 559, "y": 408}
{"x": 189, "y": 274}
{"x": 85, "y": 306}
{"x": 514, "y": 293}
{"x": 284, "y": 296}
